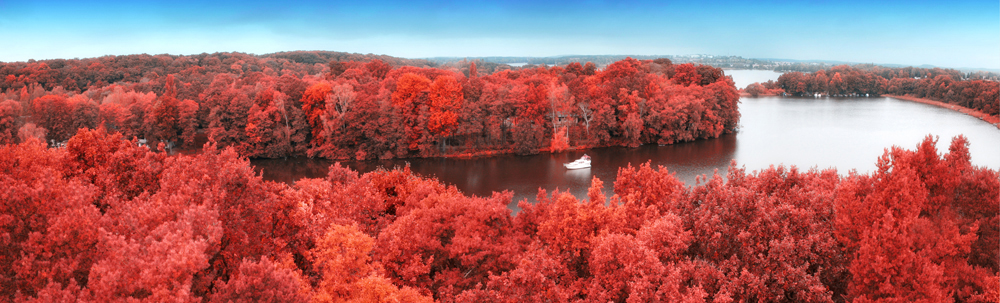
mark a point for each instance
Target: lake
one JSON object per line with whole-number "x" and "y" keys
{"x": 842, "y": 133}
{"x": 744, "y": 77}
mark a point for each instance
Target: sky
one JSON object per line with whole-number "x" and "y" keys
{"x": 957, "y": 34}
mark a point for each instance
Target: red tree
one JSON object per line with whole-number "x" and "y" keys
{"x": 10, "y": 120}
{"x": 445, "y": 100}
{"x": 53, "y": 113}
{"x": 686, "y": 74}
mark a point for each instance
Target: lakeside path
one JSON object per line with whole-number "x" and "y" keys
{"x": 995, "y": 121}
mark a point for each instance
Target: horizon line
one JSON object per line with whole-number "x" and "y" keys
{"x": 823, "y": 61}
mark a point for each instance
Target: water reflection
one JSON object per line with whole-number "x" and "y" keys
{"x": 578, "y": 175}
{"x": 846, "y": 133}
{"x": 524, "y": 175}
{"x": 851, "y": 133}
{"x": 292, "y": 169}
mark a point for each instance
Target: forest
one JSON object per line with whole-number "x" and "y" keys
{"x": 89, "y": 213}
{"x": 945, "y": 85}
{"x": 106, "y": 220}
{"x": 352, "y": 106}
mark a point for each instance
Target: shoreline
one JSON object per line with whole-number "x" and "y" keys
{"x": 995, "y": 121}
{"x": 744, "y": 94}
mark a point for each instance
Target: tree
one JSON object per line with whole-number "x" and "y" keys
{"x": 31, "y": 131}
{"x": 837, "y": 85}
{"x": 50, "y": 225}
{"x": 121, "y": 169}
{"x": 187, "y": 112}
{"x": 448, "y": 243}
{"x": 754, "y": 89}
{"x": 779, "y": 245}
{"x": 560, "y": 140}
{"x": 162, "y": 264}
{"x": 378, "y": 68}
{"x": 348, "y": 274}
{"x": 527, "y": 136}
{"x": 166, "y": 119}
{"x": 53, "y": 113}
{"x": 126, "y": 111}
{"x": 686, "y": 74}
{"x": 409, "y": 89}
{"x": 907, "y": 238}
{"x": 445, "y": 100}
{"x": 263, "y": 281}
{"x": 410, "y": 101}
{"x": 313, "y": 106}
{"x": 10, "y": 120}
{"x": 473, "y": 71}
{"x": 561, "y": 104}
{"x": 586, "y": 113}
{"x": 566, "y": 227}
{"x": 85, "y": 113}
{"x": 709, "y": 74}
{"x": 268, "y": 129}
{"x": 538, "y": 277}
{"x": 227, "y": 121}
{"x": 647, "y": 194}
{"x": 623, "y": 269}
{"x": 342, "y": 256}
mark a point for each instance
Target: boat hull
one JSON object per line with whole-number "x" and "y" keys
{"x": 577, "y": 165}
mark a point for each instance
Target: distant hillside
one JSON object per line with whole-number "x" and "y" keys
{"x": 728, "y": 62}
{"x": 324, "y": 57}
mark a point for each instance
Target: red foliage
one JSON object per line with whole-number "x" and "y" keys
{"x": 166, "y": 116}
{"x": 448, "y": 243}
{"x": 766, "y": 89}
{"x": 369, "y": 106}
{"x": 107, "y": 220}
{"x": 686, "y": 74}
{"x": 560, "y": 141}
{"x": 947, "y": 86}
{"x": 49, "y": 227}
{"x": 30, "y": 131}
{"x": 446, "y": 99}
{"x": 228, "y": 111}
{"x": 268, "y": 130}
{"x": 10, "y": 116}
{"x": 119, "y": 168}
{"x": 187, "y": 112}
{"x": 313, "y": 104}
{"x": 768, "y": 236}
{"x": 55, "y": 114}
{"x": 910, "y": 221}
{"x": 263, "y": 281}
{"x": 623, "y": 269}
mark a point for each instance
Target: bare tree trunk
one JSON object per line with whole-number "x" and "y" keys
{"x": 586, "y": 113}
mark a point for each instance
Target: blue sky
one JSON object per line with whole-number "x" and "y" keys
{"x": 962, "y": 34}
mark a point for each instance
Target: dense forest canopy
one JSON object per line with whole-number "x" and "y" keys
{"x": 351, "y": 106}
{"x": 105, "y": 220}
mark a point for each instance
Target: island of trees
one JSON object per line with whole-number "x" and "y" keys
{"x": 945, "y": 85}
{"x": 349, "y": 106}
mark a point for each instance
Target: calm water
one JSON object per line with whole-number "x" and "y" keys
{"x": 844, "y": 133}
{"x": 744, "y": 77}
